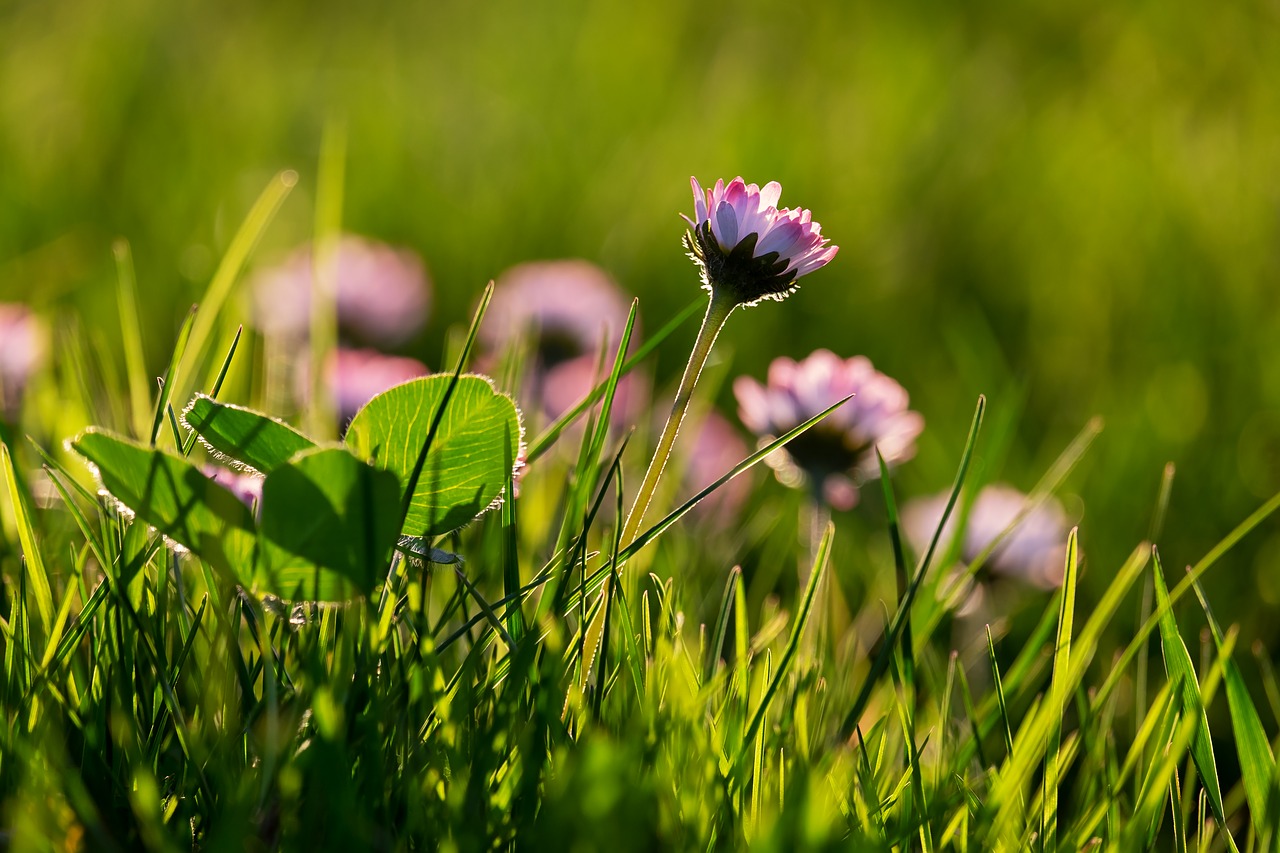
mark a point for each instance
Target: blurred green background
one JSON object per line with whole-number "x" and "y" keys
{"x": 1073, "y": 208}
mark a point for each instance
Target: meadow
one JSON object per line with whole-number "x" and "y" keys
{"x": 911, "y": 573}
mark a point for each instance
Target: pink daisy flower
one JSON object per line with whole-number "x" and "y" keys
{"x": 747, "y": 245}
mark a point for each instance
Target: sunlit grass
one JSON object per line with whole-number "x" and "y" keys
{"x": 151, "y": 702}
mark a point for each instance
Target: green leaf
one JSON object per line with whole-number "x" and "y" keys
{"x": 1178, "y": 666}
{"x": 173, "y": 496}
{"x": 328, "y": 524}
{"x": 466, "y": 465}
{"x": 251, "y": 438}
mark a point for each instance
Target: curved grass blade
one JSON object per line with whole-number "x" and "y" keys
{"x": 1180, "y": 669}
{"x": 1029, "y": 748}
{"x": 998, "y": 682}
{"x": 1155, "y": 786}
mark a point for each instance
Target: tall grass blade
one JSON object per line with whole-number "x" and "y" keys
{"x": 998, "y": 685}
{"x": 34, "y": 569}
{"x": 1180, "y": 669}
{"x": 170, "y": 375}
{"x": 899, "y": 566}
{"x": 510, "y": 550}
{"x": 1060, "y": 692}
{"x": 217, "y": 385}
{"x": 722, "y": 623}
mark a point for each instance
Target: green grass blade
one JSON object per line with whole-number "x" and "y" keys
{"x": 1060, "y": 692}
{"x": 1180, "y": 669}
{"x": 1006, "y": 790}
{"x": 722, "y": 623}
{"x": 486, "y": 608}
{"x": 635, "y": 656}
{"x": 37, "y": 578}
{"x": 899, "y": 566}
{"x": 757, "y": 763}
{"x": 1257, "y": 762}
{"x": 1146, "y": 810}
{"x": 998, "y": 685}
{"x": 217, "y": 384}
{"x": 170, "y": 376}
{"x": 510, "y": 549}
{"x": 1179, "y": 825}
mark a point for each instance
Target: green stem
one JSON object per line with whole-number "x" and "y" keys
{"x": 718, "y": 311}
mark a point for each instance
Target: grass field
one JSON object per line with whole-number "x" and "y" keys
{"x": 1057, "y": 232}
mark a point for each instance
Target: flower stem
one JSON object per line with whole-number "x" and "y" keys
{"x": 718, "y": 311}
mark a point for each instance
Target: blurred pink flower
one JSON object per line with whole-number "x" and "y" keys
{"x": 382, "y": 297}
{"x": 565, "y": 310}
{"x": 356, "y": 376}
{"x": 23, "y": 348}
{"x": 747, "y": 245}
{"x": 1035, "y": 551}
{"x": 838, "y": 454}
